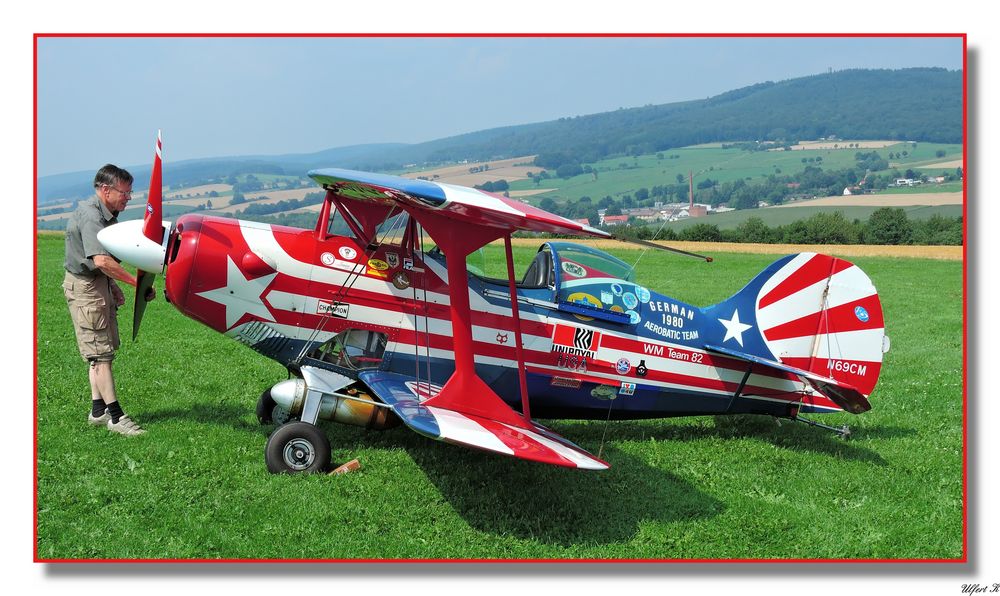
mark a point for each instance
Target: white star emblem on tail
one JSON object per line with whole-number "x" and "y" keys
{"x": 734, "y": 328}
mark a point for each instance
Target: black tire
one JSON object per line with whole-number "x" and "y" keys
{"x": 297, "y": 447}
{"x": 265, "y": 407}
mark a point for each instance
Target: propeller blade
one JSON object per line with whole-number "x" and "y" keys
{"x": 152, "y": 228}
{"x": 152, "y": 224}
{"x": 144, "y": 281}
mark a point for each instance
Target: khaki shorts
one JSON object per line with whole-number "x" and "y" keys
{"x": 95, "y": 316}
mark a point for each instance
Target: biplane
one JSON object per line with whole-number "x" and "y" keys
{"x": 382, "y": 319}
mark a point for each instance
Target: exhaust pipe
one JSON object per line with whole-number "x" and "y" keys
{"x": 355, "y": 411}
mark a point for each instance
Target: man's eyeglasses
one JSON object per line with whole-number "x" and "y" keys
{"x": 127, "y": 193}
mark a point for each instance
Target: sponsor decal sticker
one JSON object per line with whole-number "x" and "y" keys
{"x": 616, "y": 308}
{"x": 334, "y": 309}
{"x": 577, "y": 341}
{"x": 346, "y": 252}
{"x": 565, "y": 382}
{"x": 377, "y": 273}
{"x": 603, "y": 392}
{"x": 327, "y": 259}
{"x": 616, "y": 289}
{"x": 630, "y": 300}
{"x": 392, "y": 259}
{"x": 623, "y": 366}
{"x": 641, "y": 370}
{"x": 607, "y": 297}
{"x": 401, "y": 280}
{"x": 573, "y": 269}
{"x": 501, "y": 338}
{"x": 633, "y": 317}
{"x": 348, "y": 266}
{"x": 861, "y": 313}
{"x": 642, "y": 294}
{"x": 378, "y": 264}
{"x": 627, "y": 389}
{"x": 407, "y": 263}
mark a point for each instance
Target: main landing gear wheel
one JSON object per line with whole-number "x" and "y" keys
{"x": 297, "y": 447}
{"x": 269, "y": 412}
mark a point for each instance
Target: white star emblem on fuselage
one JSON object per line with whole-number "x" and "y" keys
{"x": 240, "y": 296}
{"x": 734, "y": 328}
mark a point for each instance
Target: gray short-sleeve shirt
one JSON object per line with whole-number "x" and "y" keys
{"x": 81, "y": 236}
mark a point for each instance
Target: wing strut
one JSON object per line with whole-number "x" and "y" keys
{"x": 521, "y": 375}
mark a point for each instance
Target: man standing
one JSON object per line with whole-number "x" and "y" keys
{"x": 94, "y": 297}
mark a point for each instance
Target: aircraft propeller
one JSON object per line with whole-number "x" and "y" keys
{"x": 142, "y": 243}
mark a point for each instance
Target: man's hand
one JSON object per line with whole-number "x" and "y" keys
{"x": 117, "y": 295}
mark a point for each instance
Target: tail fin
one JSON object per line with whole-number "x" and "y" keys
{"x": 812, "y": 312}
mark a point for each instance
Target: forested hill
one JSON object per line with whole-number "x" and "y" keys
{"x": 918, "y": 104}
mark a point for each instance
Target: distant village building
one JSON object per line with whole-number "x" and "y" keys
{"x": 614, "y": 220}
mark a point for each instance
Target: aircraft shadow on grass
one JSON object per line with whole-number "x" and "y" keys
{"x": 562, "y": 506}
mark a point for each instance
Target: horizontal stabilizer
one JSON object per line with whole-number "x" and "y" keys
{"x": 844, "y": 395}
{"x": 405, "y": 395}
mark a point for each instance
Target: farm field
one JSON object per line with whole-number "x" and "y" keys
{"x": 727, "y": 487}
{"x": 623, "y": 175}
{"x": 773, "y": 216}
{"x": 930, "y": 199}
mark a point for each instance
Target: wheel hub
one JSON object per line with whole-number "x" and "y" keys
{"x": 299, "y": 454}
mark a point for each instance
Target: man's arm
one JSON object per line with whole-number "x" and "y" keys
{"x": 114, "y": 270}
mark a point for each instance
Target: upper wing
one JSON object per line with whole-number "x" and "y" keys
{"x": 457, "y": 202}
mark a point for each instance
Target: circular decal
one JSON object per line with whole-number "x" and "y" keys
{"x": 585, "y": 298}
{"x": 346, "y": 252}
{"x": 401, "y": 280}
{"x": 630, "y": 300}
{"x": 642, "y": 293}
{"x": 616, "y": 289}
{"x": 378, "y": 264}
{"x": 616, "y": 308}
{"x": 573, "y": 269}
{"x": 623, "y": 366}
{"x": 327, "y": 259}
{"x": 633, "y": 317}
{"x": 861, "y": 313}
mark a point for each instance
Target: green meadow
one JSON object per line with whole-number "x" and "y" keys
{"x": 625, "y": 175}
{"x": 195, "y": 486}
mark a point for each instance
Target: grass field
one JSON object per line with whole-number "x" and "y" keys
{"x": 730, "y": 487}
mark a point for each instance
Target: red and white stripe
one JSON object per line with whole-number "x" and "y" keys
{"x": 807, "y": 314}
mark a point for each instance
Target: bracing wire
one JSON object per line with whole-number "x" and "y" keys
{"x": 349, "y": 281}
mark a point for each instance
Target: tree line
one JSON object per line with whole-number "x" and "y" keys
{"x": 886, "y": 225}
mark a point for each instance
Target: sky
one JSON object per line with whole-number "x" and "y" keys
{"x": 102, "y": 99}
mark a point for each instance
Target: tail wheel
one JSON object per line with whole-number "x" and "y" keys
{"x": 297, "y": 447}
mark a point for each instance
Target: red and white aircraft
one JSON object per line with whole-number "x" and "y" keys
{"x": 380, "y": 330}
